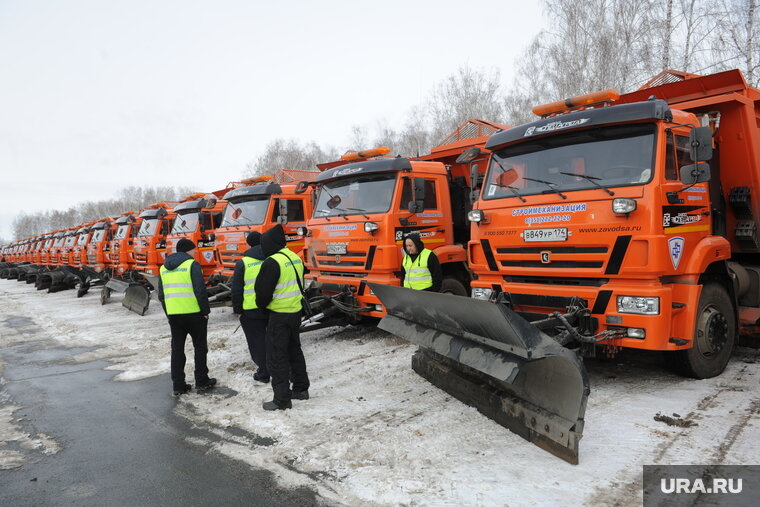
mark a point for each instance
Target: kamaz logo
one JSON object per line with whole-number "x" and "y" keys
{"x": 555, "y": 125}
{"x": 344, "y": 172}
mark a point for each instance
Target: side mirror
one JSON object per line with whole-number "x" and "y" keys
{"x": 418, "y": 190}
{"x": 505, "y": 179}
{"x": 468, "y": 155}
{"x": 334, "y": 202}
{"x": 700, "y": 141}
{"x": 415, "y": 206}
{"x": 474, "y": 183}
{"x": 283, "y": 207}
{"x": 695, "y": 173}
{"x": 474, "y": 176}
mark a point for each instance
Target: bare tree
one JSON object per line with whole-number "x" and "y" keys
{"x": 289, "y": 154}
{"x": 737, "y": 29}
{"x": 466, "y": 94}
{"x": 127, "y": 199}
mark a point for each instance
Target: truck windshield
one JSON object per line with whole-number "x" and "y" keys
{"x": 98, "y": 235}
{"x": 148, "y": 227}
{"x": 82, "y": 239}
{"x": 185, "y": 222}
{"x": 600, "y": 157}
{"x": 70, "y": 240}
{"x": 121, "y": 232}
{"x": 252, "y": 212}
{"x": 371, "y": 193}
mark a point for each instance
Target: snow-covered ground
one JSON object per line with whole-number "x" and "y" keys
{"x": 374, "y": 433}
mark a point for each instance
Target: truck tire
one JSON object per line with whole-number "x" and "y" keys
{"x": 714, "y": 336}
{"x": 453, "y": 286}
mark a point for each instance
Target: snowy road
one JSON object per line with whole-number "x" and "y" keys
{"x": 376, "y": 433}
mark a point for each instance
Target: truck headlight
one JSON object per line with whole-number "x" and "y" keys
{"x": 301, "y": 231}
{"x": 623, "y": 206}
{"x": 370, "y": 227}
{"x": 640, "y": 305}
{"x": 476, "y": 215}
{"x": 482, "y": 293}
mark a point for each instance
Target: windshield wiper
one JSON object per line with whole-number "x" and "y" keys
{"x": 591, "y": 179}
{"x": 548, "y": 184}
{"x": 513, "y": 190}
{"x": 344, "y": 213}
{"x": 325, "y": 212}
{"x": 361, "y": 212}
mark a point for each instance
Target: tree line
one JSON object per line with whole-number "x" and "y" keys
{"x": 132, "y": 198}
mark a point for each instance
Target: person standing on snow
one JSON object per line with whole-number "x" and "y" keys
{"x": 278, "y": 288}
{"x": 252, "y": 318}
{"x": 182, "y": 293}
{"x": 420, "y": 269}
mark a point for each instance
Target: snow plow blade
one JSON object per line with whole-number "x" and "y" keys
{"x": 487, "y": 356}
{"x": 137, "y": 298}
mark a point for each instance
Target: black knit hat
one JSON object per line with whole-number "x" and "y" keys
{"x": 253, "y": 239}
{"x": 185, "y": 245}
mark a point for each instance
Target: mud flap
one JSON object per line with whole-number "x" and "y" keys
{"x": 489, "y": 357}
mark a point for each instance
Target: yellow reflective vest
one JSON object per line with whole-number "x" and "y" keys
{"x": 287, "y": 294}
{"x": 252, "y": 268}
{"x": 179, "y": 296}
{"x": 417, "y": 276}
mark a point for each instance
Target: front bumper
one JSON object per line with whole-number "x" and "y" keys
{"x": 671, "y": 329}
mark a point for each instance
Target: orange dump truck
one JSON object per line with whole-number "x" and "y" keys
{"x": 258, "y": 205}
{"x": 364, "y": 207}
{"x": 613, "y": 221}
{"x": 150, "y": 244}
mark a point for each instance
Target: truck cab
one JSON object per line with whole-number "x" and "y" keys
{"x": 196, "y": 220}
{"x": 99, "y": 245}
{"x": 79, "y": 250}
{"x": 619, "y": 209}
{"x": 258, "y": 208}
{"x": 150, "y": 243}
{"x": 120, "y": 255}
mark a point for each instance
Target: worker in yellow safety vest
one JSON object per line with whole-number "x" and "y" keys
{"x": 420, "y": 268}
{"x": 182, "y": 293}
{"x": 253, "y": 319}
{"x": 279, "y": 289}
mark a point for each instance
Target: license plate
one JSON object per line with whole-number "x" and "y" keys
{"x": 232, "y": 246}
{"x": 336, "y": 248}
{"x": 555, "y": 234}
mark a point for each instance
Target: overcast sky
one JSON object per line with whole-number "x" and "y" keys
{"x": 97, "y": 95}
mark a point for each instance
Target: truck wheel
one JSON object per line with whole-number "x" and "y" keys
{"x": 453, "y": 286}
{"x": 714, "y": 336}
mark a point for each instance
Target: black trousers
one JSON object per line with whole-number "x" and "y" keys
{"x": 196, "y": 325}
{"x": 285, "y": 359}
{"x": 255, "y": 330}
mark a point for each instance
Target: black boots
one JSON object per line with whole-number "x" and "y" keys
{"x": 209, "y": 384}
{"x": 273, "y": 405}
{"x": 182, "y": 390}
{"x": 300, "y": 395}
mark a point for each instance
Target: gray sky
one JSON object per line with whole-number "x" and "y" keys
{"x": 97, "y": 95}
